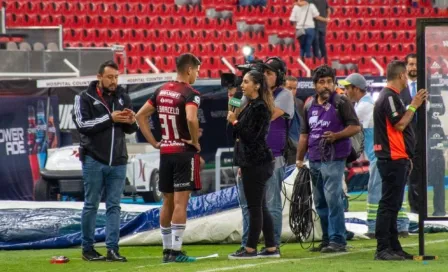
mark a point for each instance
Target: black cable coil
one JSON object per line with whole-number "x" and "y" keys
{"x": 301, "y": 211}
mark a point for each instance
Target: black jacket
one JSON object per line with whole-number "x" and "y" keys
{"x": 101, "y": 138}
{"x": 250, "y": 135}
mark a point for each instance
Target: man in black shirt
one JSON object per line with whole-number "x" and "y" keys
{"x": 394, "y": 144}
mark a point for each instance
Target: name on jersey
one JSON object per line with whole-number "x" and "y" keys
{"x": 171, "y": 94}
{"x": 169, "y": 110}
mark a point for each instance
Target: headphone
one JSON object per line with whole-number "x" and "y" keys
{"x": 280, "y": 73}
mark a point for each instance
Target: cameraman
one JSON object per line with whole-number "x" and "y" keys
{"x": 274, "y": 70}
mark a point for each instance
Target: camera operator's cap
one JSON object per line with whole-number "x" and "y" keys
{"x": 354, "y": 79}
{"x": 274, "y": 65}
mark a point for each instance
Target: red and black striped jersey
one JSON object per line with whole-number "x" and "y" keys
{"x": 170, "y": 101}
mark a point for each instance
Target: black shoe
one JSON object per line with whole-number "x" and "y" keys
{"x": 264, "y": 253}
{"x": 370, "y": 235}
{"x": 387, "y": 255}
{"x": 403, "y": 254}
{"x": 243, "y": 255}
{"x": 334, "y": 248}
{"x": 403, "y": 234}
{"x": 114, "y": 256}
{"x": 319, "y": 247}
{"x": 166, "y": 255}
{"x": 92, "y": 256}
{"x": 180, "y": 257}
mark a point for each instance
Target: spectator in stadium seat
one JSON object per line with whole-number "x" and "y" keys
{"x": 319, "y": 44}
{"x": 303, "y": 15}
{"x": 355, "y": 86}
{"x": 329, "y": 121}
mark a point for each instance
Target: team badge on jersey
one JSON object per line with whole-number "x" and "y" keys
{"x": 197, "y": 100}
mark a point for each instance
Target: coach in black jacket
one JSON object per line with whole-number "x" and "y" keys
{"x": 102, "y": 115}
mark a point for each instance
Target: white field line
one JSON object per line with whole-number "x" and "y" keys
{"x": 228, "y": 268}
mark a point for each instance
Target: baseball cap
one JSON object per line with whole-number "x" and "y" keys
{"x": 274, "y": 64}
{"x": 354, "y": 79}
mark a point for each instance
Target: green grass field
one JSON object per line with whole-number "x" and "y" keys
{"x": 358, "y": 203}
{"x": 294, "y": 258}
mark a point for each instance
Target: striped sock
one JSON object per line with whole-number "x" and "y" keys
{"x": 166, "y": 237}
{"x": 178, "y": 235}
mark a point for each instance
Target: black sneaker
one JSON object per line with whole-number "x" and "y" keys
{"x": 403, "y": 234}
{"x": 264, "y": 253}
{"x": 243, "y": 255}
{"x": 114, "y": 256}
{"x": 334, "y": 248}
{"x": 319, "y": 247}
{"x": 92, "y": 256}
{"x": 180, "y": 257}
{"x": 370, "y": 235}
{"x": 387, "y": 255}
{"x": 166, "y": 255}
{"x": 403, "y": 254}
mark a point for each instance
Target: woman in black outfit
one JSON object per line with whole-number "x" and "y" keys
{"x": 255, "y": 159}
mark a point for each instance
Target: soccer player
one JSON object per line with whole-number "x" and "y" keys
{"x": 176, "y": 103}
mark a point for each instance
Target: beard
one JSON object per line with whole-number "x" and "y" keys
{"x": 325, "y": 93}
{"x": 412, "y": 73}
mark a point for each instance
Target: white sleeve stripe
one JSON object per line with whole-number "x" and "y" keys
{"x": 78, "y": 115}
{"x": 392, "y": 104}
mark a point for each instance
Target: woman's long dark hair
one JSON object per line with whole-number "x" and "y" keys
{"x": 263, "y": 92}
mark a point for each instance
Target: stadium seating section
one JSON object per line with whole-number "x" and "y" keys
{"x": 160, "y": 30}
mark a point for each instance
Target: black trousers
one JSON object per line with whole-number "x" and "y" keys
{"x": 254, "y": 182}
{"x": 394, "y": 176}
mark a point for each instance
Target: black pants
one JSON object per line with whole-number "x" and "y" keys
{"x": 414, "y": 180}
{"x": 394, "y": 175}
{"x": 254, "y": 182}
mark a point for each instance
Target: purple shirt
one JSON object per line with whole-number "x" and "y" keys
{"x": 277, "y": 130}
{"x": 322, "y": 118}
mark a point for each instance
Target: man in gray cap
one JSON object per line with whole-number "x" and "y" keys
{"x": 355, "y": 86}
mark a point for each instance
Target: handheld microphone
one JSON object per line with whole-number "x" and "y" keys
{"x": 235, "y": 101}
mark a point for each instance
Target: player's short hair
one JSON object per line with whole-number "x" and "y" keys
{"x": 186, "y": 60}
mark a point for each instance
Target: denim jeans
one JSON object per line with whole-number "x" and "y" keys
{"x": 327, "y": 191}
{"x": 252, "y": 3}
{"x": 373, "y": 198}
{"x": 306, "y": 41}
{"x": 273, "y": 202}
{"x": 98, "y": 177}
{"x": 319, "y": 44}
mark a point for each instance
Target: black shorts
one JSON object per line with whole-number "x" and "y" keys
{"x": 179, "y": 172}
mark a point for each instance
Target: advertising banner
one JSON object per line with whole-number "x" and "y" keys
{"x": 26, "y": 132}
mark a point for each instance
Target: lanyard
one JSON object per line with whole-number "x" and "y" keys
{"x": 100, "y": 94}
